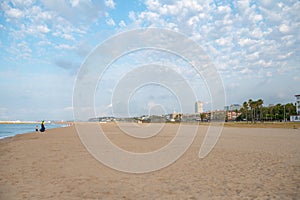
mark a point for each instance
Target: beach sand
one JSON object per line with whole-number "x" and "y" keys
{"x": 246, "y": 163}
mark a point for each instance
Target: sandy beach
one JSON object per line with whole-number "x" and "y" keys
{"x": 246, "y": 163}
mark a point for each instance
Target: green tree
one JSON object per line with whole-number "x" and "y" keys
{"x": 265, "y": 113}
{"x": 251, "y": 105}
{"x": 290, "y": 109}
{"x": 202, "y": 116}
{"x": 259, "y": 104}
{"x": 245, "y": 109}
{"x": 278, "y": 112}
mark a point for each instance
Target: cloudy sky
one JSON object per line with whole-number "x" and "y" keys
{"x": 254, "y": 45}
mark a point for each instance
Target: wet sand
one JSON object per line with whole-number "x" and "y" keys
{"x": 246, "y": 163}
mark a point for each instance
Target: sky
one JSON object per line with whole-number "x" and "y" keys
{"x": 254, "y": 45}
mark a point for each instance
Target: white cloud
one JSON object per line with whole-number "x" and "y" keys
{"x": 193, "y": 20}
{"x": 42, "y": 29}
{"x": 64, "y": 46}
{"x": 74, "y": 3}
{"x": 152, "y": 4}
{"x": 110, "y": 22}
{"x": 110, "y": 3}
{"x": 256, "y": 17}
{"x": 151, "y": 17}
{"x": 21, "y": 50}
{"x": 132, "y": 16}
{"x": 83, "y": 12}
{"x": 223, "y": 41}
{"x": 122, "y": 23}
{"x": 44, "y": 43}
{"x": 67, "y": 36}
{"x": 24, "y": 46}
{"x": 284, "y": 28}
{"x": 64, "y": 29}
{"x": 246, "y": 71}
{"x": 37, "y": 14}
{"x": 263, "y": 63}
{"x": 224, "y": 9}
{"x": 14, "y": 13}
{"x": 2, "y": 27}
{"x": 246, "y": 42}
{"x": 22, "y": 2}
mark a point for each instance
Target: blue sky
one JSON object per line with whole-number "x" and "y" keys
{"x": 253, "y": 44}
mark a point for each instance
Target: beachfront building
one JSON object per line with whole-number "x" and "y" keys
{"x": 226, "y": 108}
{"x": 298, "y": 104}
{"x": 232, "y": 115}
{"x": 199, "y": 107}
{"x": 175, "y": 117}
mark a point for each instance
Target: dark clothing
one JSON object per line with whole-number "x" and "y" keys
{"x": 42, "y": 127}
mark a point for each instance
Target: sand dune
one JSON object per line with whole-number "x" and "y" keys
{"x": 246, "y": 163}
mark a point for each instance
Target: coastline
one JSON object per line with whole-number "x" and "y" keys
{"x": 246, "y": 163}
{"x": 10, "y": 129}
{"x": 33, "y": 122}
{"x": 280, "y": 125}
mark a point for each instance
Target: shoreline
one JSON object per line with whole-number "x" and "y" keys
{"x": 275, "y": 125}
{"x": 32, "y": 131}
{"x": 33, "y": 122}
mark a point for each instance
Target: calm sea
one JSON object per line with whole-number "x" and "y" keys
{"x": 8, "y": 130}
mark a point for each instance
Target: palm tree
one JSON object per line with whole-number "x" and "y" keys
{"x": 259, "y": 105}
{"x": 255, "y": 106}
{"x": 245, "y": 107}
{"x": 251, "y": 104}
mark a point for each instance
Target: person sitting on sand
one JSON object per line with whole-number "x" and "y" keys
{"x": 42, "y": 127}
{"x": 36, "y": 128}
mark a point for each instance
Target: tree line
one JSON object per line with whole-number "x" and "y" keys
{"x": 255, "y": 111}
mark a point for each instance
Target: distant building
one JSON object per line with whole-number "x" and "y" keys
{"x": 199, "y": 107}
{"x": 232, "y": 115}
{"x": 226, "y": 108}
{"x": 175, "y": 117}
{"x": 235, "y": 107}
{"x": 298, "y": 104}
{"x": 295, "y": 118}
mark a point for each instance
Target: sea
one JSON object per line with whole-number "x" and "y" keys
{"x": 9, "y": 130}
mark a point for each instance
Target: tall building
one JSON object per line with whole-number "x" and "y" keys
{"x": 298, "y": 104}
{"x": 226, "y": 108}
{"x": 199, "y": 107}
{"x": 235, "y": 107}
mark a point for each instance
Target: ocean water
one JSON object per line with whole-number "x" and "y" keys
{"x": 9, "y": 130}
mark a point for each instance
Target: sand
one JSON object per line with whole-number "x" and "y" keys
{"x": 246, "y": 163}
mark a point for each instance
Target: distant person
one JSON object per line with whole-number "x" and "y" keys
{"x": 42, "y": 127}
{"x": 37, "y": 128}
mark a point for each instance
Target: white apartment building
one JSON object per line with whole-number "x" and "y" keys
{"x": 298, "y": 104}
{"x": 199, "y": 107}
